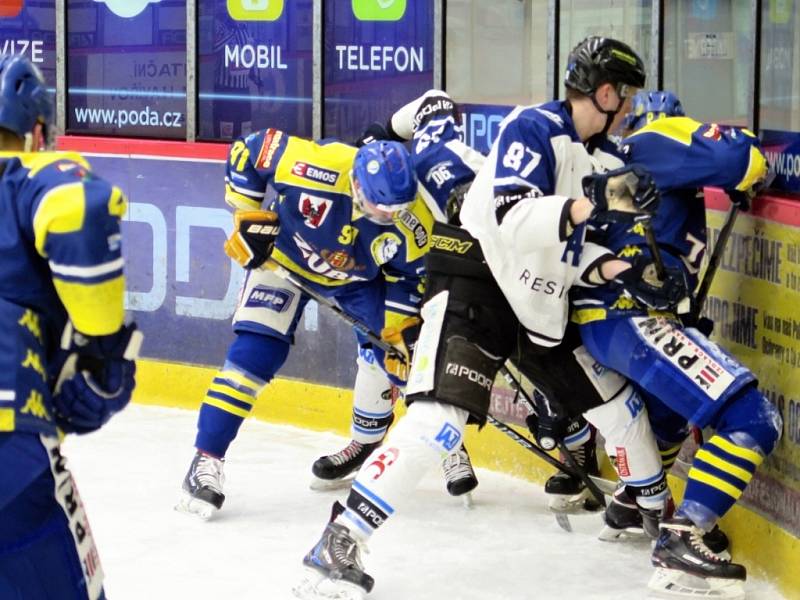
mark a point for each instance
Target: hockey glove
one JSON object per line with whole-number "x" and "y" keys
{"x": 86, "y": 401}
{"x": 254, "y": 234}
{"x": 373, "y": 133}
{"x": 403, "y": 337}
{"x": 624, "y": 195}
{"x": 642, "y": 283}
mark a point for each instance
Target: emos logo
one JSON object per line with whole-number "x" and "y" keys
{"x": 379, "y": 10}
{"x": 10, "y": 8}
{"x": 127, "y": 8}
{"x": 255, "y": 10}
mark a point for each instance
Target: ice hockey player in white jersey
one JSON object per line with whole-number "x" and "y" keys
{"x": 527, "y": 200}
{"x": 445, "y": 167}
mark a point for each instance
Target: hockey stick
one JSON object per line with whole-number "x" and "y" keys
{"x": 713, "y": 263}
{"x": 362, "y": 328}
{"x": 655, "y": 251}
{"x": 572, "y": 468}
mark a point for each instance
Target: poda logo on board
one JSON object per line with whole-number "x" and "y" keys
{"x": 127, "y": 8}
{"x": 255, "y": 10}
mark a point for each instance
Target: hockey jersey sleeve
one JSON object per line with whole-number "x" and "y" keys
{"x": 251, "y": 165}
{"x": 682, "y": 153}
{"x": 76, "y": 225}
{"x": 529, "y": 212}
{"x": 442, "y": 161}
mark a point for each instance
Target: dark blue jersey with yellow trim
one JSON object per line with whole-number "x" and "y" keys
{"x": 683, "y": 156}
{"x": 60, "y": 258}
{"x": 324, "y": 238}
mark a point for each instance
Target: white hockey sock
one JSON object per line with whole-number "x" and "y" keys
{"x": 429, "y": 432}
{"x": 372, "y": 402}
{"x": 629, "y": 440}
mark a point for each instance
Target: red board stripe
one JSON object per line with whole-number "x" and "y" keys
{"x": 781, "y": 209}
{"x": 155, "y": 148}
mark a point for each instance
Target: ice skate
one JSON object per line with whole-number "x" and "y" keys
{"x": 202, "y": 487}
{"x": 337, "y": 470}
{"x": 459, "y": 475}
{"x": 333, "y": 568}
{"x": 622, "y": 518}
{"x": 687, "y": 568}
{"x": 568, "y": 494}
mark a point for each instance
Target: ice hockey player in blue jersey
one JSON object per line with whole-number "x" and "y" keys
{"x": 64, "y": 352}
{"x": 348, "y": 223}
{"x": 445, "y": 167}
{"x": 686, "y": 379}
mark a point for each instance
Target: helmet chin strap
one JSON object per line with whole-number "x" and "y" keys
{"x": 610, "y": 114}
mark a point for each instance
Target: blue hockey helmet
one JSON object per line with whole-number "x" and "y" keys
{"x": 24, "y": 99}
{"x": 649, "y": 106}
{"x": 383, "y": 180}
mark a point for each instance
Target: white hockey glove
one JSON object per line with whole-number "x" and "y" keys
{"x": 624, "y": 195}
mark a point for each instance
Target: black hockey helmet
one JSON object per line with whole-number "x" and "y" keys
{"x": 598, "y": 60}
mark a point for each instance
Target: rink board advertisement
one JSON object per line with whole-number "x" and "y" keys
{"x": 127, "y": 68}
{"x": 254, "y": 67}
{"x": 754, "y": 303}
{"x": 378, "y": 55}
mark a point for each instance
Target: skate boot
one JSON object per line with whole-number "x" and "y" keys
{"x": 202, "y": 486}
{"x": 569, "y": 494}
{"x": 333, "y": 567}
{"x": 459, "y": 474}
{"x": 338, "y": 470}
{"x": 686, "y": 566}
{"x": 622, "y": 517}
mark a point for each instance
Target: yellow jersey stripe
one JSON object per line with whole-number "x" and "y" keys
{"x": 731, "y": 448}
{"x": 756, "y": 170}
{"x": 715, "y": 482}
{"x": 61, "y": 210}
{"x": 229, "y": 408}
{"x": 95, "y": 309}
{"x": 724, "y": 465}
{"x": 232, "y": 392}
{"x": 7, "y": 419}
{"x": 679, "y": 129}
{"x": 240, "y": 201}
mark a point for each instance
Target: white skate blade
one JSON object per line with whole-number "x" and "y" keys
{"x": 192, "y": 506}
{"x": 566, "y": 504}
{"x": 609, "y": 534}
{"x": 466, "y": 501}
{"x": 672, "y": 584}
{"x": 315, "y": 586}
{"x": 563, "y": 521}
{"x": 324, "y": 485}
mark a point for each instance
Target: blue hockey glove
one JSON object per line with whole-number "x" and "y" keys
{"x": 642, "y": 283}
{"x": 626, "y": 195}
{"x": 86, "y": 401}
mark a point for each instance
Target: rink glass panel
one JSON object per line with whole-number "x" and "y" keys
{"x": 127, "y": 70}
{"x": 708, "y": 50}
{"x": 254, "y": 67}
{"x": 779, "y": 117}
{"x": 375, "y": 59}
{"x": 626, "y": 20}
{"x": 496, "y": 51}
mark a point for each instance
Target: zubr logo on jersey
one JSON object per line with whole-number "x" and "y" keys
{"x": 379, "y": 10}
{"x": 127, "y": 8}
{"x": 10, "y": 8}
{"x": 255, "y": 10}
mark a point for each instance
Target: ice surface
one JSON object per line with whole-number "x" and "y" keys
{"x": 507, "y": 547}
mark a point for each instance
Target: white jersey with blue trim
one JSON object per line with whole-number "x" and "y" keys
{"x": 518, "y": 209}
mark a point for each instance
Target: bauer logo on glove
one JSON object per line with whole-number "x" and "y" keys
{"x": 254, "y": 235}
{"x": 626, "y": 194}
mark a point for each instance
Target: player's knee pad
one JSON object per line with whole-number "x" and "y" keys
{"x": 464, "y": 378}
{"x": 372, "y": 400}
{"x": 751, "y": 421}
{"x": 269, "y": 305}
{"x": 260, "y": 356}
{"x": 436, "y": 426}
{"x": 629, "y": 439}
